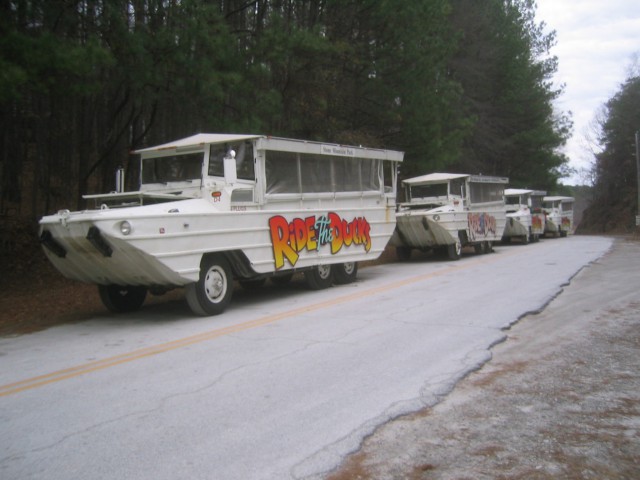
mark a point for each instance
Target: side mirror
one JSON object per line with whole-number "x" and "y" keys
{"x": 230, "y": 172}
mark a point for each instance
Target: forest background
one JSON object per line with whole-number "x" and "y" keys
{"x": 458, "y": 85}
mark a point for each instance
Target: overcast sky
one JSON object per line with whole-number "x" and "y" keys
{"x": 596, "y": 43}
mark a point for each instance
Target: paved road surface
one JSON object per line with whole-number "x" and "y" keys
{"x": 283, "y": 385}
{"x": 560, "y": 399}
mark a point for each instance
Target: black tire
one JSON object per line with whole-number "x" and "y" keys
{"x": 211, "y": 294}
{"x": 479, "y": 249}
{"x": 282, "y": 279}
{"x": 121, "y": 299}
{"x": 403, "y": 253}
{"x": 344, "y": 273}
{"x": 454, "y": 250}
{"x": 319, "y": 278}
{"x": 525, "y": 239}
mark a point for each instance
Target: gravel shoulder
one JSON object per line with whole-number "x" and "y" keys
{"x": 559, "y": 399}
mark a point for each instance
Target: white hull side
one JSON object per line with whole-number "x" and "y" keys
{"x": 566, "y": 223}
{"x": 552, "y": 224}
{"x": 480, "y": 225}
{"x": 166, "y": 248}
{"x": 537, "y": 223}
{"x": 518, "y": 224}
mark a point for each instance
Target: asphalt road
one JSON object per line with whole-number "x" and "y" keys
{"x": 560, "y": 399}
{"x": 284, "y": 385}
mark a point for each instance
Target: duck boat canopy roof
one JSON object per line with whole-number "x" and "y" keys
{"x": 199, "y": 141}
{"x": 558, "y": 199}
{"x": 446, "y": 177}
{"x": 517, "y": 191}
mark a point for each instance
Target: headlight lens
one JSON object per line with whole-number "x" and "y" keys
{"x": 125, "y": 228}
{"x": 436, "y": 218}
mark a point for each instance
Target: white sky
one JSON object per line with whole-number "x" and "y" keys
{"x": 596, "y": 43}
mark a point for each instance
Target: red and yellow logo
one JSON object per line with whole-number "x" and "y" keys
{"x": 289, "y": 238}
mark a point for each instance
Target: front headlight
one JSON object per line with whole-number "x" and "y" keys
{"x": 436, "y": 218}
{"x": 125, "y": 228}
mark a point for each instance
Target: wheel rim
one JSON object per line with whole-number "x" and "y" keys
{"x": 349, "y": 268}
{"x": 458, "y": 248}
{"x": 324, "y": 271}
{"x": 215, "y": 284}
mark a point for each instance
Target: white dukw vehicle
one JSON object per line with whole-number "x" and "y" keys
{"x": 449, "y": 211}
{"x": 558, "y": 215}
{"x": 212, "y": 208}
{"x": 525, "y": 220}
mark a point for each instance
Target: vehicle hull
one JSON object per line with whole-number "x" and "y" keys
{"x": 427, "y": 230}
{"x": 167, "y": 241}
{"x": 517, "y": 224}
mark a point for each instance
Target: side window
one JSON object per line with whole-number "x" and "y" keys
{"x": 172, "y": 168}
{"x": 245, "y": 167}
{"x": 457, "y": 187}
{"x": 315, "y": 174}
{"x": 245, "y": 161}
{"x": 282, "y": 172}
{"x": 370, "y": 175}
{"x": 390, "y": 176}
{"x": 289, "y": 172}
{"x": 216, "y": 163}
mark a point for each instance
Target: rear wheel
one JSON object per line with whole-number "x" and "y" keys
{"x": 120, "y": 299}
{"x": 454, "y": 250}
{"x": 211, "y": 294}
{"x": 319, "y": 278}
{"x": 344, "y": 273}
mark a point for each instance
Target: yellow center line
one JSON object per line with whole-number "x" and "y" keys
{"x": 59, "y": 375}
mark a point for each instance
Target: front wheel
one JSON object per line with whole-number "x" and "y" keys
{"x": 121, "y": 299}
{"x": 454, "y": 250}
{"x": 344, "y": 273}
{"x": 211, "y": 294}
{"x": 319, "y": 278}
